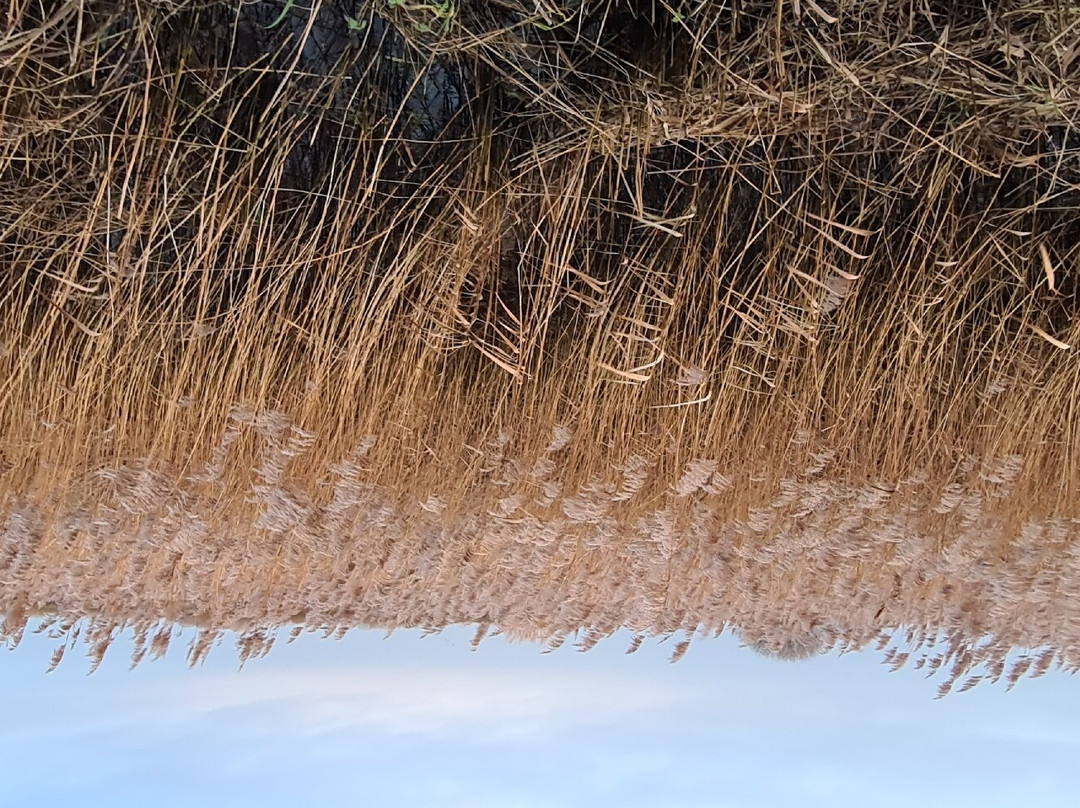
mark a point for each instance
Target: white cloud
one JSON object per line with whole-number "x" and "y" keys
{"x": 492, "y": 705}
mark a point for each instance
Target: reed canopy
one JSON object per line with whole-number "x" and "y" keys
{"x": 555, "y": 317}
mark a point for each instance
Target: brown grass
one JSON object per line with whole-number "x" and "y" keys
{"x": 660, "y": 316}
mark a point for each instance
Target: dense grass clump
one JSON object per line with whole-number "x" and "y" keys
{"x": 547, "y": 316}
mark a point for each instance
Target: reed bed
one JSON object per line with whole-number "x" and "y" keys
{"x": 554, "y": 318}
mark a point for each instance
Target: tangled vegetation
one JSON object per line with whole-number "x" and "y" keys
{"x": 551, "y": 317}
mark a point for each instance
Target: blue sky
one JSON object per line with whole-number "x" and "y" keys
{"x": 411, "y": 721}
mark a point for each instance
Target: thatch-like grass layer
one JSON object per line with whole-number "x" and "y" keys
{"x": 762, "y": 259}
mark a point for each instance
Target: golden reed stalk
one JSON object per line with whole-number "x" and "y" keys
{"x": 553, "y": 320}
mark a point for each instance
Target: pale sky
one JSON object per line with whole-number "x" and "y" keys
{"x": 411, "y": 721}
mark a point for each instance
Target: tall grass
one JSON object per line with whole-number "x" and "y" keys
{"x": 548, "y": 317}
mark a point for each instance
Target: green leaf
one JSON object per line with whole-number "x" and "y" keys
{"x": 284, "y": 13}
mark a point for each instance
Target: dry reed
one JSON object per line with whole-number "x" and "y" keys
{"x": 556, "y": 317}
